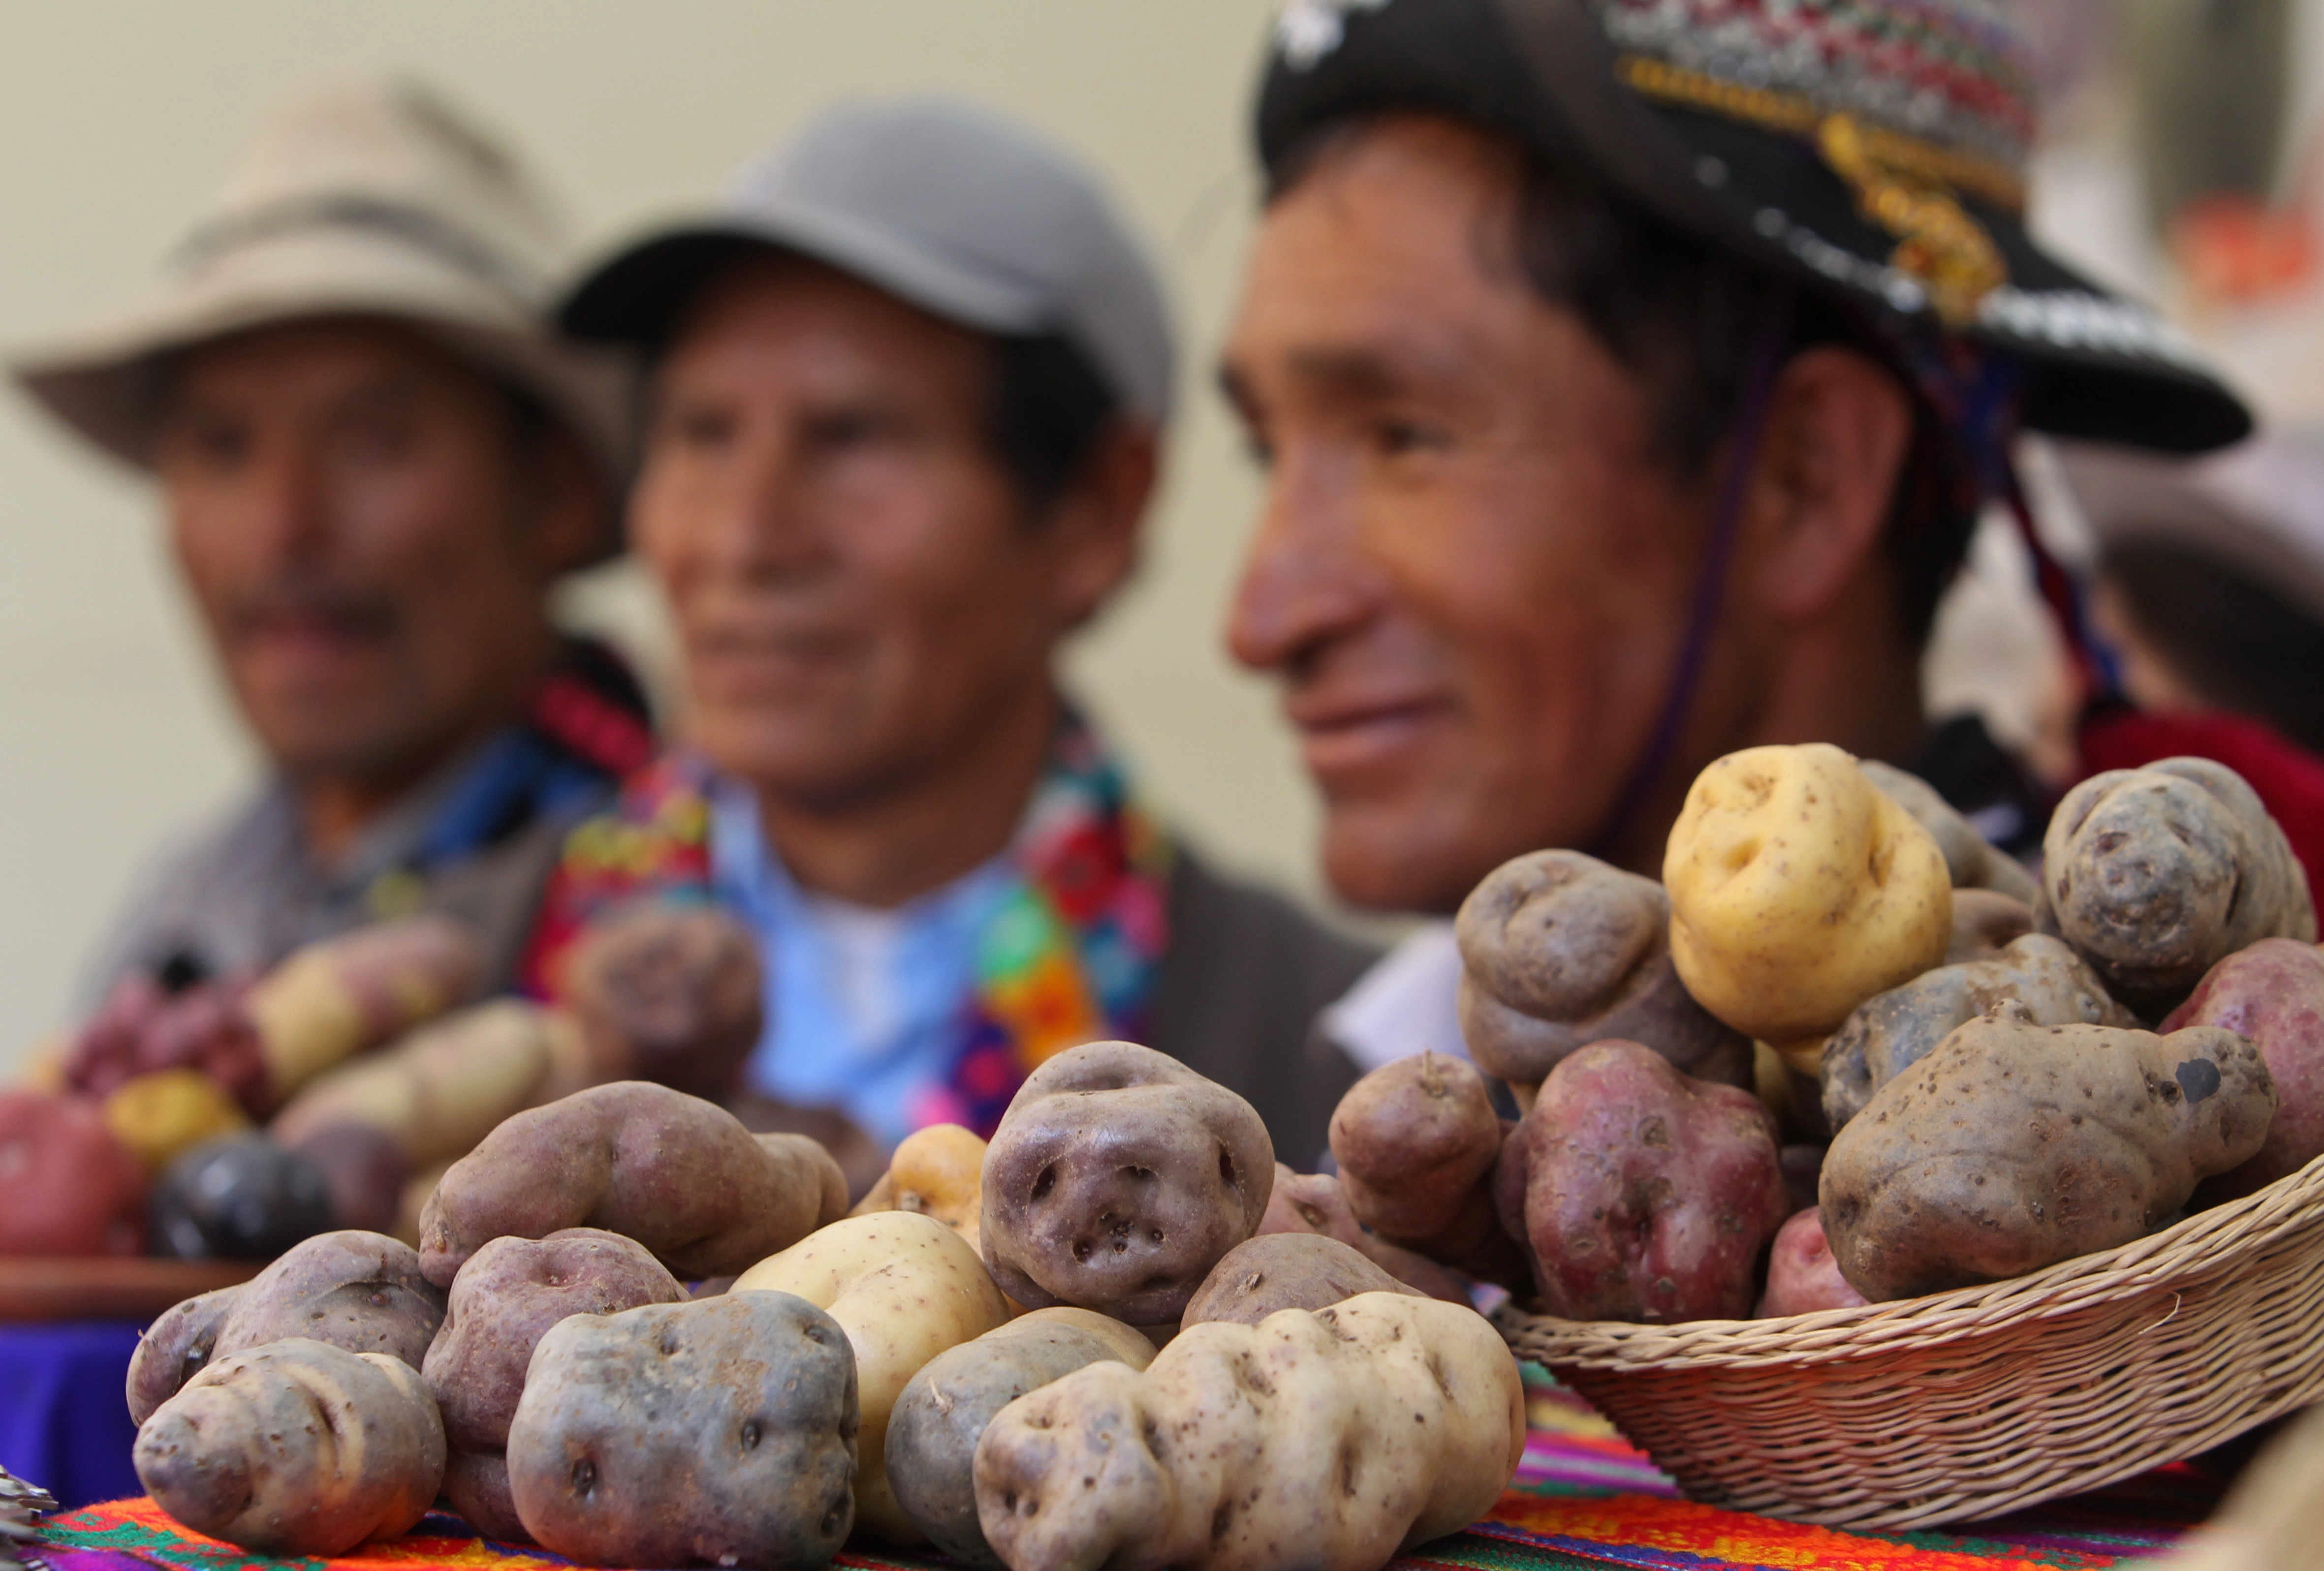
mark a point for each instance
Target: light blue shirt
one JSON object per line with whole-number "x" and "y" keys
{"x": 864, "y": 1007}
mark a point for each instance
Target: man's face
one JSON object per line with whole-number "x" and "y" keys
{"x": 348, "y": 505}
{"x": 1472, "y": 570}
{"x": 858, "y": 590}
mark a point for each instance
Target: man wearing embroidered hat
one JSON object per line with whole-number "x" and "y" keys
{"x": 375, "y": 456}
{"x": 907, "y": 394}
{"x": 1629, "y": 374}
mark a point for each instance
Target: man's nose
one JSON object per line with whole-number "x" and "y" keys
{"x": 1305, "y": 580}
{"x": 767, "y": 528}
{"x": 287, "y": 508}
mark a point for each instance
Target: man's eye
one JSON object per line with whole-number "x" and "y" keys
{"x": 217, "y": 443}
{"x": 1395, "y": 437}
{"x": 381, "y": 438}
{"x": 850, "y": 430}
{"x": 703, "y": 429}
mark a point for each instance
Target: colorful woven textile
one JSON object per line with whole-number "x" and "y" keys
{"x": 1582, "y": 1502}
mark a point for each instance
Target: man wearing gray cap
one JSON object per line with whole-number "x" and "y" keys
{"x": 375, "y": 456}
{"x": 902, "y": 430}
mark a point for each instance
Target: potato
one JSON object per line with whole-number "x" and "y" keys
{"x": 933, "y": 1430}
{"x": 1801, "y": 1275}
{"x": 1986, "y": 923}
{"x": 1313, "y": 1204}
{"x": 508, "y": 1295}
{"x": 1798, "y": 890}
{"x": 2272, "y": 994}
{"x": 2156, "y": 874}
{"x": 2015, "y": 1145}
{"x": 162, "y": 1115}
{"x": 344, "y": 996}
{"x": 365, "y": 1172}
{"x": 904, "y": 1288}
{"x": 1642, "y": 1194}
{"x": 1286, "y": 1271}
{"x": 144, "y": 1028}
{"x": 677, "y": 1173}
{"x": 297, "y": 1448}
{"x": 1889, "y": 1034}
{"x": 669, "y": 993}
{"x": 1559, "y": 951}
{"x": 361, "y": 1292}
{"x": 1970, "y": 860}
{"x": 938, "y": 1171}
{"x": 71, "y": 1187}
{"x": 242, "y": 1197}
{"x": 1417, "y": 1141}
{"x": 439, "y": 1090}
{"x": 1116, "y": 1180}
{"x": 1331, "y": 1439}
{"x": 720, "y": 1432}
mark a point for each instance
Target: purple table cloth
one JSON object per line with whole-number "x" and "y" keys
{"x": 64, "y": 1420}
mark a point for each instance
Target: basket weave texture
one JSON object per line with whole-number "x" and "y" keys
{"x": 1967, "y": 1404}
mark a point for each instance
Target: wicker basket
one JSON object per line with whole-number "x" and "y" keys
{"x": 1967, "y": 1404}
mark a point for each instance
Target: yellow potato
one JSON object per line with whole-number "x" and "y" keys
{"x": 1798, "y": 890}
{"x": 160, "y": 1115}
{"x": 938, "y": 1171}
{"x": 905, "y": 1288}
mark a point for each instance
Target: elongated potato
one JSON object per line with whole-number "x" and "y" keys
{"x": 1798, "y": 890}
{"x": 904, "y": 1288}
{"x": 720, "y": 1432}
{"x": 677, "y": 1173}
{"x": 1559, "y": 951}
{"x": 297, "y": 1448}
{"x": 933, "y": 1427}
{"x": 1330, "y": 1439}
{"x": 335, "y": 999}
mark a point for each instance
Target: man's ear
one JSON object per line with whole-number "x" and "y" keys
{"x": 572, "y": 502}
{"x": 1095, "y": 527}
{"x": 1839, "y": 431}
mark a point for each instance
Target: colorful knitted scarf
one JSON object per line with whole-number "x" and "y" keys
{"x": 1070, "y": 958}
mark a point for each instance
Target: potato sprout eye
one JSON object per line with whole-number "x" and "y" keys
{"x": 585, "y": 1477}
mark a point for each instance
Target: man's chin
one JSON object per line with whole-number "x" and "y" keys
{"x": 1387, "y": 862}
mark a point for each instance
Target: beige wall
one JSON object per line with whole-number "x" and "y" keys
{"x": 117, "y": 119}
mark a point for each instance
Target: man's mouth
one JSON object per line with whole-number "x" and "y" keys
{"x": 317, "y": 627}
{"x": 1342, "y": 735}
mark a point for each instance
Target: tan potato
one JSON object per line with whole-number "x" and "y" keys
{"x": 669, "y": 993}
{"x": 937, "y": 1172}
{"x": 904, "y": 1288}
{"x": 1559, "y": 951}
{"x": 297, "y": 1448}
{"x": 1286, "y": 1271}
{"x": 1985, "y": 924}
{"x": 2156, "y": 874}
{"x": 720, "y": 1432}
{"x": 933, "y": 1427}
{"x": 1970, "y": 860}
{"x": 344, "y": 996}
{"x": 1332, "y": 1439}
{"x": 1313, "y": 1203}
{"x": 677, "y": 1173}
{"x": 2015, "y": 1145}
{"x": 1798, "y": 890}
{"x": 1889, "y": 1034}
{"x": 359, "y": 1292}
{"x": 1417, "y": 1141}
{"x": 164, "y": 1115}
{"x": 1116, "y": 1179}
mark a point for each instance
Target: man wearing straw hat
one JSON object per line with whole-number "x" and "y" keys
{"x": 375, "y": 458}
{"x": 1629, "y": 374}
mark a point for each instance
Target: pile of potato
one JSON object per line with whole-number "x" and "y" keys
{"x": 639, "y": 1335}
{"x": 231, "y": 1117}
{"x": 1846, "y": 1052}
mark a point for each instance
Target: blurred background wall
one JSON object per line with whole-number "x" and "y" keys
{"x": 2185, "y": 163}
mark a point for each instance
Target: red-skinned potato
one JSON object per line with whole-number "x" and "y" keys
{"x": 1116, "y": 1180}
{"x": 2272, "y": 994}
{"x": 1417, "y": 1141}
{"x": 669, "y": 993}
{"x": 1801, "y": 1275}
{"x": 679, "y": 1175}
{"x": 1315, "y": 1203}
{"x": 1642, "y": 1194}
{"x": 72, "y": 1188}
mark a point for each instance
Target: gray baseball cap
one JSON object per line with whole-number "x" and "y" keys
{"x": 952, "y": 208}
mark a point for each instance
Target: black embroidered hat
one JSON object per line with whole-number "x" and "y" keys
{"x": 1876, "y": 148}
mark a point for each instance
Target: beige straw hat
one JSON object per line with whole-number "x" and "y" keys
{"x": 373, "y": 199}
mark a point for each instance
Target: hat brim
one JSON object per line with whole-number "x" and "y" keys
{"x": 635, "y": 295}
{"x": 2094, "y": 366}
{"x": 105, "y": 383}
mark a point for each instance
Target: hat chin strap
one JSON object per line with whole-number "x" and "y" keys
{"x": 1711, "y": 587}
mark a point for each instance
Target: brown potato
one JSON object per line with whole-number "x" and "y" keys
{"x": 2156, "y": 874}
{"x": 2273, "y": 994}
{"x": 1313, "y": 1203}
{"x": 2015, "y": 1145}
{"x": 359, "y": 1292}
{"x": 1643, "y": 1195}
{"x": 72, "y": 1189}
{"x": 1559, "y": 951}
{"x": 1973, "y": 863}
{"x": 1892, "y": 1032}
{"x": 1286, "y": 1271}
{"x": 366, "y": 1172}
{"x": 1116, "y": 1180}
{"x": 1417, "y": 1141}
{"x": 297, "y": 1448}
{"x": 669, "y": 993}
{"x": 1986, "y": 923}
{"x": 720, "y": 1432}
{"x": 504, "y": 1299}
{"x": 679, "y": 1175}
{"x": 1801, "y": 1275}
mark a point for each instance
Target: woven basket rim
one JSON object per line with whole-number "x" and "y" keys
{"x": 2195, "y": 1249}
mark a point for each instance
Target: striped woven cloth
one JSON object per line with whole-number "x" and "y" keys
{"x": 1583, "y": 1500}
